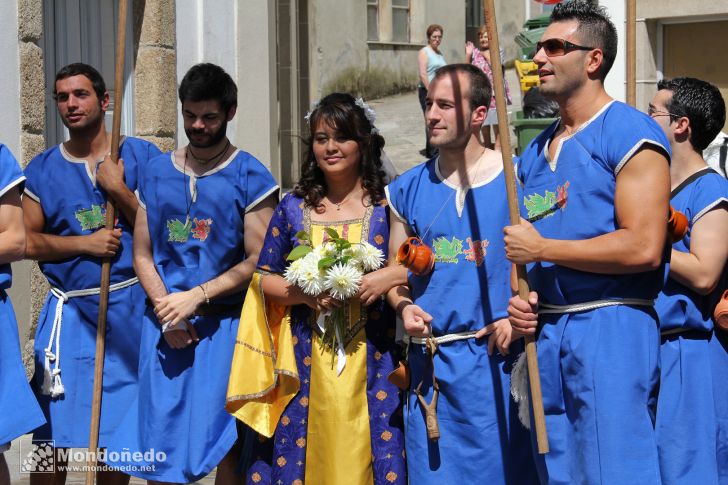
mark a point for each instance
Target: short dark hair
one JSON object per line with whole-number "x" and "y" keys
{"x": 432, "y": 28}
{"x": 701, "y": 103}
{"x": 595, "y": 28}
{"x": 206, "y": 81}
{"x": 480, "y": 91}
{"x": 81, "y": 69}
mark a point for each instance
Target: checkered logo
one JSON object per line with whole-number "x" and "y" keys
{"x": 39, "y": 459}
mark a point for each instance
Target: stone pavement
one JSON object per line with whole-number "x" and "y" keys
{"x": 400, "y": 121}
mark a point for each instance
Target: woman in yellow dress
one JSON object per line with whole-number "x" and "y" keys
{"x": 318, "y": 423}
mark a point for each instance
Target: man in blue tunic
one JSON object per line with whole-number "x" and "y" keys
{"x": 692, "y": 440}
{"x": 204, "y": 210}
{"x": 457, "y": 204}
{"x": 64, "y": 209}
{"x": 595, "y": 198}
{"x": 19, "y": 411}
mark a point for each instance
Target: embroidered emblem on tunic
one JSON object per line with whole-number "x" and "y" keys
{"x": 201, "y": 228}
{"x": 178, "y": 231}
{"x": 447, "y": 251}
{"x": 92, "y": 218}
{"x": 540, "y": 206}
{"x": 477, "y": 251}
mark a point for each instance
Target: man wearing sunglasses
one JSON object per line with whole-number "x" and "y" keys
{"x": 692, "y": 356}
{"x": 596, "y": 191}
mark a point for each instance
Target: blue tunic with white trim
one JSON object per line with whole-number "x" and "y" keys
{"x": 481, "y": 440}
{"x": 196, "y": 228}
{"x": 19, "y": 411}
{"x": 688, "y": 430}
{"x": 74, "y": 205}
{"x": 598, "y": 368}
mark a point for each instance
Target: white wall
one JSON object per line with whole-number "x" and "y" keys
{"x": 10, "y": 78}
{"x": 616, "y": 82}
{"x": 239, "y": 37}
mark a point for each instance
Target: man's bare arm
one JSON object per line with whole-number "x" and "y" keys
{"x": 12, "y": 231}
{"x": 641, "y": 205}
{"x": 144, "y": 266}
{"x": 50, "y": 247}
{"x": 701, "y": 268}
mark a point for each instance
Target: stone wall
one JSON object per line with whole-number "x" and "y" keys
{"x": 32, "y": 142}
{"x": 155, "y": 82}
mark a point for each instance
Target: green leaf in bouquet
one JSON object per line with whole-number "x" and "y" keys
{"x": 332, "y": 233}
{"x": 345, "y": 260}
{"x": 326, "y": 263}
{"x": 299, "y": 252}
{"x": 342, "y": 244}
{"x": 303, "y": 236}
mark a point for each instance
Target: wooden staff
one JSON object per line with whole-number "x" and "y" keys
{"x": 515, "y": 217}
{"x": 631, "y": 52}
{"x": 93, "y": 441}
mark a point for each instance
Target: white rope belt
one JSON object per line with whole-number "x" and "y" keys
{"x": 544, "y": 308}
{"x": 52, "y": 377}
{"x": 443, "y": 339}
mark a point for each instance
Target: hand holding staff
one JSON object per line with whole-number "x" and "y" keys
{"x": 500, "y": 99}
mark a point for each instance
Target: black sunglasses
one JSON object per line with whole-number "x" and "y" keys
{"x": 559, "y": 47}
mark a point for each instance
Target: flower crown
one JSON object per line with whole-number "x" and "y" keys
{"x": 368, "y": 112}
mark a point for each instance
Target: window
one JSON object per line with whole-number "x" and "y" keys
{"x": 85, "y": 31}
{"x": 372, "y": 19}
{"x": 400, "y": 20}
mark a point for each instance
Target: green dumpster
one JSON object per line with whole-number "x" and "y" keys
{"x": 527, "y": 128}
{"x": 537, "y": 22}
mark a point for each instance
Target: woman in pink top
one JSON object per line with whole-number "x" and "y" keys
{"x": 480, "y": 57}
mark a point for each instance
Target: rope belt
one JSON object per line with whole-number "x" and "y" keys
{"x": 52, "y": 377}
{"x": 544, "y": 308}
{"x": 443, "y": 339}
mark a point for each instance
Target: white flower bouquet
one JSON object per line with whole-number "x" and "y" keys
{"x": 337, "y": 267}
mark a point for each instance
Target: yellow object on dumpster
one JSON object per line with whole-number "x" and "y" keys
{"x": 527, "y": 74}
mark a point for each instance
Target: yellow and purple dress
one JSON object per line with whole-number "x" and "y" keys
{"x": 313, "y": 425}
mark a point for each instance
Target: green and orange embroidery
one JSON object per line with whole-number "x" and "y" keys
{"x": 179, "y": 232}
{"x": 540, "y": 206}
{"x": 477, "y": 251}
{"x": 201, "y": 228}
{"x": 447, "y": 251}
{"x": 92, "y": 218}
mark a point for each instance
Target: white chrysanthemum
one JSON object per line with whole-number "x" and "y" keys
{"x": 371, "y": 257}
{"x": 311, "y": 279}
{"x": 342, "y": 281}
{"x": 326, "y": 250}
{"x": 293, "y": 272}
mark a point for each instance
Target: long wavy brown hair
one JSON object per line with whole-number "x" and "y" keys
{"x": 340, "y": 112}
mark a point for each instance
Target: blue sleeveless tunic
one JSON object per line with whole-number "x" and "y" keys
{"x": 481, "y": 440}
{"x": 181, "y": 405}
{"x": 688, "y": 432}
{"x": 19, "y": 411}
{"x": 73, "y": 205}
{"x": 598, "y": 368}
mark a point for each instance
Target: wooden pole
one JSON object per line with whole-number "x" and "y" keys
{"x": 515, "y": 218}
{"x": 632, "y": 52}
{"x": 93, "y": 441}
